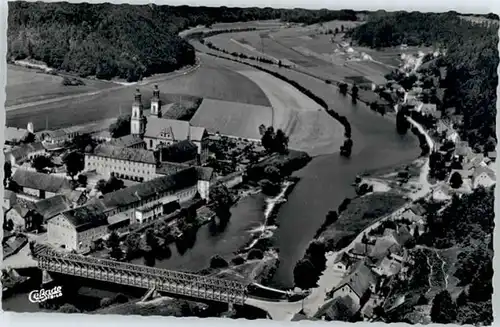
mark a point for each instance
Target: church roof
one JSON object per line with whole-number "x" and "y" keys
{"x": 177, "y": 129}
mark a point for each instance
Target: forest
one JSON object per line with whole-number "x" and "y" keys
{"x": 471, "y": 61}
{"x": 124, "y": 41}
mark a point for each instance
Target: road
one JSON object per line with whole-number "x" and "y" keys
{"x": 328, "y": 280}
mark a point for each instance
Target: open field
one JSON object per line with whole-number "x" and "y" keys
{"x": 304, "y": 48}
{"x": 231, "y": 118}
{"x": 308, "y": 126}
{"x": 214, "y": 79}
{"x": 264, "y": 24}
{"x": 27, "y": 85}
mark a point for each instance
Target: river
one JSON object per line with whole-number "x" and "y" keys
{"x": 327, "y": 180}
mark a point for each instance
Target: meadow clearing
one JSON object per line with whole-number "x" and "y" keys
{"x": 215, "y": 79}
{"x": 306, "y": 123}
{"x": 28, "y": 85}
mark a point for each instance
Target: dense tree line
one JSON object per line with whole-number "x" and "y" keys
{"x": 102, "y": 40}
{"x": 471, "y": 62}
{"x": 468, "y": 223}
{"x": 125, "y": 41}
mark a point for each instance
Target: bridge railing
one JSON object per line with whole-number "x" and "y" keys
{"x": 187, "y": 278}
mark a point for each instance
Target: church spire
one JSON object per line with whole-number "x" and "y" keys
{"x": 137, "y": 122}
{"x": 156, "y": 103}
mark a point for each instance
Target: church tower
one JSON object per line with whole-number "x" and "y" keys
{"x": 156, "y": 103}
{"x": 137, "y": 121}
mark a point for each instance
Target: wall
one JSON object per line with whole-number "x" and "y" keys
{"x": 85, "y": 238}
{"x": 61, "y": 232}
{"x": 121, "y": 168}
{"x": 347, "y": 291}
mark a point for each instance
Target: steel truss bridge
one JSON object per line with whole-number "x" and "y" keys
{"x": 174, "y": 282}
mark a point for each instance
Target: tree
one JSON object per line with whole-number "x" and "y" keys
{"x": 221, "y": 198}
{"x": 121, "y": 127}
{"x": 113, "y": 240}
{"x": 40, "y": 163}
{"x": 280, "y": 142}
{"x": 82, "y": 180}
{"x": 255, "y": 254}
{"x": 304, "y": 275}
{"x": 217, "y": 262}
{"x": 331, "y": 217}
{"x": 462, "y": 299}
{"x": 268, "y": 139}
{"x": 132, "y": 244}
{"x": 456, "y": 180}
{"x": 343, "y": 88}
{"x": 151, "y": 239}
{"x": 68, "y": 308}
{"x": 354, "y": 92}
{"x": 262, "y": 130}
{"x": 7, "y": 171}
{"x": 443, "y": 309}
{"x": 75, "y": 163}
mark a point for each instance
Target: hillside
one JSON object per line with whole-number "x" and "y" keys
{"x": 124, "y": 41}
{"x": 471, "y": 62}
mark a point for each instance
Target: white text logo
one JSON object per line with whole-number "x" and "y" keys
{"x": 38, "y": 296}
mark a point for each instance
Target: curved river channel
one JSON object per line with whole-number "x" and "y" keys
{"x": 324, "y": 183}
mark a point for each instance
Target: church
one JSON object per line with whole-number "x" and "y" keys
{"x": 157, "y": 131}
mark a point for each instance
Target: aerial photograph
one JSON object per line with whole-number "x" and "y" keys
{"x": 255, "y": 163}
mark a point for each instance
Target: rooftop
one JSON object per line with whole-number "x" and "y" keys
{"x": 359, "y": 279}
{"x": 180, "y": 180}
{"x": 86, "y": 217}
{"x": 172, "y": 129}
{"x": 128, "y": 154}
{"x": 126, "y": 141}
{"x": 53, "y": 206}
{"x": 21, "y": 151}
{"x": 40, "y": 181}
{"x": 14, "y": 134}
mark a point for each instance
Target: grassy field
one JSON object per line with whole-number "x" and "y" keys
{"x": 28, "y": 85}
{"x": 361, "y": 213}
{"x": 304, "y": 47}
{"x": 214, "y": 79}
{"x": 308, "y": 126}
{"x": 231, "y": 118}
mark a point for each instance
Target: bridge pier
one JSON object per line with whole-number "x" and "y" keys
{"x": 46, "y": 278}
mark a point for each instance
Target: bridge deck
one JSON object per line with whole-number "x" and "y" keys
{"x": 175, "y": 282}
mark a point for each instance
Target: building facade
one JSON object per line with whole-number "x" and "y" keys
{"x": 157, "y": 131}
{"x": 126, "y": 163}
{"x": 77, "y": 229}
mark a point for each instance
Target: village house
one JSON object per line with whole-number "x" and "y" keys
{"x": 20, "y": 215}
{"x": 358, "y": 285}
{"x": 126, "y": 163}
{"x": 441, "y": 193}
{"x": 77, "y": 229}
{"x": 38, "y": 185}
{"x": 77, "y": 197}
{"x": 9, "y": 199}
{"x": 20, "y": 154}
{"x": 483, "y": 176}
{"x": 388, "y": 267}
{"x": 492, "y": 155}
{"x": 14, "y": 135}
{"x": 343, "y": 263}
{"x": 51, "y": 207}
